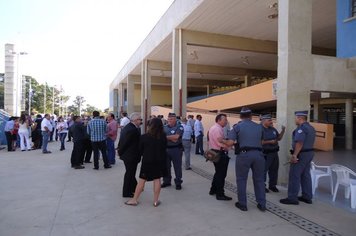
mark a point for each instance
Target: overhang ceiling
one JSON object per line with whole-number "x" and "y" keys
{"x": 244, "y": 18}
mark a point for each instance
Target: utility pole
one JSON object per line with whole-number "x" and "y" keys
{"x": 44, "y": 98}
{"x": 53, "y": 100}
{"x": 29, "y": 96}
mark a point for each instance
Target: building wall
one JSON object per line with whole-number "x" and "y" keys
{"x": 159, "y": 96}
{"x": 346, "y": 31}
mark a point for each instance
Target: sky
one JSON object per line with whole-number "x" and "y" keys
{"x": 80, "y": 45}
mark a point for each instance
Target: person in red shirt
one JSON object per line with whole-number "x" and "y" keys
{"x": 111, "y": 136}
{"x": 216, "y": 137}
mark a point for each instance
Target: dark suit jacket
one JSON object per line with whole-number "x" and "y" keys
{"x": 129, "y": 144}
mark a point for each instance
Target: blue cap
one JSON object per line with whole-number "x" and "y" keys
{"x": 245, "y": 110}
{"x": 266, "y": 117}
{"x": 301, "y": 113}
{"x": 172, "y": 114}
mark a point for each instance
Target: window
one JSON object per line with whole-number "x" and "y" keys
{"x": 353, "y": 8}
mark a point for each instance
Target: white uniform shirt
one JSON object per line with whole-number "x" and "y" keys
{"x": 46, "y": 123}
{"x": 124, "y": 121}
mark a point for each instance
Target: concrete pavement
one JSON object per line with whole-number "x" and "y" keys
{"x": 41, "y": 195}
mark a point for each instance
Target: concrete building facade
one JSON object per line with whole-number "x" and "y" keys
{"x": 201, "y": 45}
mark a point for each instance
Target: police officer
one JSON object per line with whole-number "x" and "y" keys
{"x": 270, "y": 139}
{"x": 302, "y": 154}
{"x": 174, "y": 133}
{"x": 248, "y": 134}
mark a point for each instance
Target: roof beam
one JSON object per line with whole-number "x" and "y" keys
{"x": 210, "y": 69}
{"x": 204, "y": 39}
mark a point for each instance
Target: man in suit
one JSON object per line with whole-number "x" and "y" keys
{"x": 128, "y": 150}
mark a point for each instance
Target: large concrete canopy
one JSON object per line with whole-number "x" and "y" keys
{"x": 237, "y": 26}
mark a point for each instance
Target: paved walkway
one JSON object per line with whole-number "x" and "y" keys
{"x": 41, "y": 195}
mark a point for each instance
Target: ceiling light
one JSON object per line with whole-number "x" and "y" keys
{"x": 274, "y": 7}
{"x": 194, "y": 55}
{"x": 245, "y": 60}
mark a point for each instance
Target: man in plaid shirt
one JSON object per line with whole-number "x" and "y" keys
{"x": 97, "y": 130}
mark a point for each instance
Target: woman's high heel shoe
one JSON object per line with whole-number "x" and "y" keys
{"x": 156, "y": 204}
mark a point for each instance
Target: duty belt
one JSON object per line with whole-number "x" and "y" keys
{"x": 266, "y": 151}
{"x": 303, "y": 150}
{"x": 246, "y": 149}
{"x": 176, "y": 146}
{"x": 221, "y": 151}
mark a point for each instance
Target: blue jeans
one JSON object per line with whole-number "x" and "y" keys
{"x": 111, "y": 150}
{"x": 62, "y": 137}
{"x": 45, "y": 137}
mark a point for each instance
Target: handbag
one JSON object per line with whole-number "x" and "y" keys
{"x": 212, "y": 155}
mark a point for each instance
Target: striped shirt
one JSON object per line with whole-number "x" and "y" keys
{"x": 97, "y": 129}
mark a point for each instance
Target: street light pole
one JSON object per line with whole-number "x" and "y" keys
{"x": 29, "y": 96}
{"x": 18, "y": 92}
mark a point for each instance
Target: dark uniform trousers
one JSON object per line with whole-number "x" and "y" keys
{"x": 102, "y": 147}
{"x": 130, "y": 181}
{"x": 221, "y": 166}
{"x": 299, "y": 175}
{"x": 77, "y": 153}
{"x": 272, "y": 165}
{"x": 199, "y": 149}
{"x": 244, "y": 161}
{"x": 9, "y": 140}
{"x": 87, "y": 150}
{"x": 174, "y": 155}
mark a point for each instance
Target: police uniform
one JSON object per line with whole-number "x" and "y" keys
{"x": 270, "y": 152}
{"x": 248, "y": 134}
{"x": 299, "y": 173}
{"x": 174, "y": 155}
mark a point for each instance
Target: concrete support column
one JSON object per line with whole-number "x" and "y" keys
{"x": 294, "y": 70}
{"x": 130, "y": 94}
{"x": 179, "y": 73}
{"x": 115, "y": 102}
{"x": 349, "y": 123}
{"x": 316, "y": 110}
{"x": 121, "y": 98}
{"x": 247, "y": 81}
{"x": 145, "y": 94}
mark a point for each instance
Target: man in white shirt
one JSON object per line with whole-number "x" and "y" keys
{"x": 199, "y": 134}
{"x": 46, "y": 128}
{"x": 124, "y": 120}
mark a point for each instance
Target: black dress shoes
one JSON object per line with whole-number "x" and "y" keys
{"x": 288, "y": 201}
{"x": 178, "y": 187}
{"x": 78, "y": 167}
{"x": 107, "y": 167}
{"x": 96, "y": 168}
{"x": 261, "y": 208}
{"x": 274, "y": 189}
{"x": 223, "y": 198}
{"x": 165, "y": 185}
{"x": 241, "y": 207}
{"x": 212, "y": 192}
{"x": 266, "y": 190}
{"x": 307, "y": 201}
{"x": 128, "y": 195}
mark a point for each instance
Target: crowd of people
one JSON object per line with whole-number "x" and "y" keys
{"x": 162, "y": 146}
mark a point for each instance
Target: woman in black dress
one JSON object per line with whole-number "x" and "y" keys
{"x": 153, "y": 166}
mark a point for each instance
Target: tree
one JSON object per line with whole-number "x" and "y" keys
{"x": 89, "y": 110}
{"x": 78, "y": 104}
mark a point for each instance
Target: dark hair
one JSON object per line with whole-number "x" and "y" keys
{"x": 199, "y": 116}
{"x": 124, "y": 114}
{"x": 155, "y": 128}
{"x": 39, "y": 116}
{"x": 75, "y": 117}
{"x": 23, "y": 118}
{"x": 96, "y": 113}
{"x": 112, "y": 116}
{"x": 245, "y": 115}
{"x": 219, "y": 117}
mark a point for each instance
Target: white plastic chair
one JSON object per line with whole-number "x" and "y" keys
{"x": 343, "y": 178}
{"x": 317, "y": 172}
